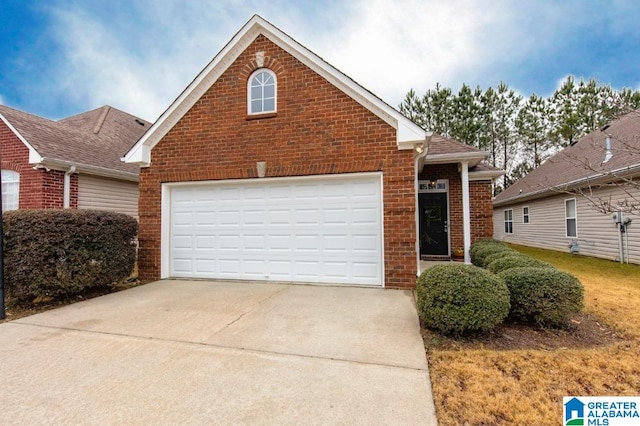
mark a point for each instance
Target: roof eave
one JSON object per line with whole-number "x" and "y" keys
{"x": 485, "y": 175}
{"x": 474, "y": 158}
{"x": 34, "y": 155}
{"x": 407, "y": 132}
{"x": 575, "y": 184}
{"x": 63, "y": 165}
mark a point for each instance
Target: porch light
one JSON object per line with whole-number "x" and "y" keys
{"x": 432, "y": 182}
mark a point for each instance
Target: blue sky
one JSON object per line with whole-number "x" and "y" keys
{"x": 63, "y": 57}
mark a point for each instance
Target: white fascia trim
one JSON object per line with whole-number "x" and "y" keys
{"x": 88, "y": 169}
{"x": 574, "y": 184}
{"x": 407, "y": 132}
{"x": 34, "y": 156}
{"x": 473, "y": 158}
{"x": 485, "y": 175}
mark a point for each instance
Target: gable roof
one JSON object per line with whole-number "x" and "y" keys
{"x": 582, "y": 163}
{"x": 407, "y": 132}
{"x": 92, "y": 141}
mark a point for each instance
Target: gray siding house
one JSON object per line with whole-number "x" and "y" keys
{"x": 567, "y": 203}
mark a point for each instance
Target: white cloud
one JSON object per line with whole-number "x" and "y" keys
{"x": 140, "y": 55}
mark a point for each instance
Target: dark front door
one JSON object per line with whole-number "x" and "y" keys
{"x": 434, "y": 227}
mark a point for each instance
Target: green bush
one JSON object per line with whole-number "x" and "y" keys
{"x": 515, "y": 261}
{"x": 458, "y": 299}
{"x": 486, "y": 260}
{"x": 485, "y": 247}
{"x": 542, "y": 295}
{"x": 63, "y": 252}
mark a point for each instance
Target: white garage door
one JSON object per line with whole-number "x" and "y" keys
{"x": 319, "y": 230}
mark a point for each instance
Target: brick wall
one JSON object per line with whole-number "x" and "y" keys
{"x": 480, "y": 206}
{"x": 316, "y": 130}
{"x": 39, "y": 189}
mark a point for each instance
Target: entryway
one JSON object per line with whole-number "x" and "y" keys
{"x": 433, "y": 225}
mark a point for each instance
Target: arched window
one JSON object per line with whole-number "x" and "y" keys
{"x": 10, "y": 190}
{"x": 262, "y": 92}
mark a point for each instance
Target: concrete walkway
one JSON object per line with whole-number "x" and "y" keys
{"x": 200, "y": 352}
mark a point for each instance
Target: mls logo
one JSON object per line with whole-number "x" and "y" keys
{"x": 573, "y": 412}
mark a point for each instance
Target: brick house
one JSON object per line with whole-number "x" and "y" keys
{"x": 273, "y": 165}
{"x": 71, "y": 163}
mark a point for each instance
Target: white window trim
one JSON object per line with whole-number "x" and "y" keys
{"x": 275, "y": 92}
{"x": 16, "y": 181}
{"x": 566, "y": 228}
{"x": 527, "y": 215}
{"x": 507, "y": 221}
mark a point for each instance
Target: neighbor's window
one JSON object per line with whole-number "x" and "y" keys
{"x": 508, "y": 221}
{"x": 10, "y": 190}
{"x": 262, "y": 92}
{"x": 525, "y": 215}
{"x": 571, "y": 217}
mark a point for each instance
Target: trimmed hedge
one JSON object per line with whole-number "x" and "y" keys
{"x": 543, "y": 295}
{"x": 515, "y": 261}
{"x": 458, "y": 299}
{"x": 63, "y": 252}
{"x": 485, "y": 247}
{"x": 498, "y": 255}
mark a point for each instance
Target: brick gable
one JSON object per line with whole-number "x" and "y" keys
{"x": 316, "y": 130}
{"x": 39, "y": 189}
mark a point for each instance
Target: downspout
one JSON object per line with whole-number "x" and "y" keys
{"x": 420, "y": 151}
{"x": 466, "y": 211}
{"x": 66, "y": 200}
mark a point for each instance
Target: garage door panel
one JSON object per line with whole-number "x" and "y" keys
{"x": 315, "y": 230}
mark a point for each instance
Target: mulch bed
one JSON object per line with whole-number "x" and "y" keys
{"x": 582, "y": 331}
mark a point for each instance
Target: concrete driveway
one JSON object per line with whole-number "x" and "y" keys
{"x": 202, "y": 352}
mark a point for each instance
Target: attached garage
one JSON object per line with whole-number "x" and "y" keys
{"x": 318, "y": 229}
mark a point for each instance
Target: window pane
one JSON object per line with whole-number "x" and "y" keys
{"x": 506, "y": 215}
{"x": 256, "y": 93}
{"x": 571, "y": 208}
{"x": 269, "y": 91}
{"x": 269, "y": 105}
{"x": 256, "y": 106}
{"x": 571, "y": 228}
{"x": 10, "y": 190}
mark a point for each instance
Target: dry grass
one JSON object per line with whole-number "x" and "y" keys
{"x": 490, "y": 387}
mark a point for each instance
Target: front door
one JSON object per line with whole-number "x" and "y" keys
{"x": 434, "y": 226}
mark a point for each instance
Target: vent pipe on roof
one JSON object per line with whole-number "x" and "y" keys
{"x": 607, "y": 149}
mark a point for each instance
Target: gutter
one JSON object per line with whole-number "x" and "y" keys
{"x": 66, "y": 200}
{"x": 595, "y": 179}
{"x": 88, "y": 169}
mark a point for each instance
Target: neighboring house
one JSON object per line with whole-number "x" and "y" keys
{"x": 550, "y": 207}
{"x": 71, "y": 163}
{"x": 273, "y": 165}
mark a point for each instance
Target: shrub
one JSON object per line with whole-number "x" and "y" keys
{"x": 458, "y": 299}
{"x": 482, "y": 248}
{"x": 486, "y": 260}
{"x": 543, "y": 295}
{"x": 515, "y": 261}
{"x": 63, "y": 252}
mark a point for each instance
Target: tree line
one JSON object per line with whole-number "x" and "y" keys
{"x": 519, "y": 133}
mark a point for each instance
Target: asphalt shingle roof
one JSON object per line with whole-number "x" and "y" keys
{"x": 96, "y": 138}
{"x": 582, "y": 161}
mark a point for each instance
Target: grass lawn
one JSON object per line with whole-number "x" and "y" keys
{"x": 478, "y": 386}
